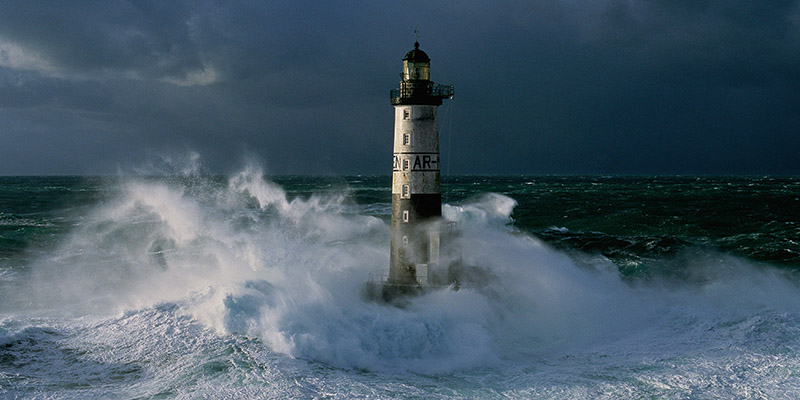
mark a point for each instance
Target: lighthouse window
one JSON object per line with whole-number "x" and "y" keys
{"x": 406, "y": 139}
{"x": 405, "y": 215}
{"x": 406, "y": 192}
{"x": 406, "y": 114}
{"x": 405, "y": 241}
{"x": 406, "y": 164}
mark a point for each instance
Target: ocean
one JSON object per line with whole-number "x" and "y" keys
{"x": 248, "y": 286}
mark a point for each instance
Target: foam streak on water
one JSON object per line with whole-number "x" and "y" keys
{"x": 198, "y": 287}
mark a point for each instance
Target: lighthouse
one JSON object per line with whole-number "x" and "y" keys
{"x": 416, "y": 193}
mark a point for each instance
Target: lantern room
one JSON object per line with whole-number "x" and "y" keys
{"x": 416, "y": 65}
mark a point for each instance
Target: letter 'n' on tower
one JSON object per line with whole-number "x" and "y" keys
{"x": 416, "y": 193}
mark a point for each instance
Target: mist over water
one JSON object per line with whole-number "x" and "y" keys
{"x": 191, "y": 285}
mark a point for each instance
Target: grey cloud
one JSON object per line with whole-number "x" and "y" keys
{"x": 153, "y": 39}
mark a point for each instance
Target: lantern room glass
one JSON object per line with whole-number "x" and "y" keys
{"x": 413, "y": 71}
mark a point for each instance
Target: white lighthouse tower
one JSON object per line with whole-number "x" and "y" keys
{"x": 416, "y": 193}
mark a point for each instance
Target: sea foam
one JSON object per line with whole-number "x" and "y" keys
{"x": 243, "y": 258}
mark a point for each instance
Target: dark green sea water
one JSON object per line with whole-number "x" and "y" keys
{"x": 637, "y": 222}
{"x": 250, "y": 287}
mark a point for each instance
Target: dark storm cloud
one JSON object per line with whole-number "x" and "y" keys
{"x": 149, "y": 38}
{"x": 649, "y": 86}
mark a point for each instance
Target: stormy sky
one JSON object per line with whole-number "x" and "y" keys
{"x": 542, "y": 87}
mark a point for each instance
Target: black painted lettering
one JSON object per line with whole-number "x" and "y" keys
{"x": 426, "y": 162}
{"x": 417, "y": 163}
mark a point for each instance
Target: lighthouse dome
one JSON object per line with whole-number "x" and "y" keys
{"x": 416, "y": 55}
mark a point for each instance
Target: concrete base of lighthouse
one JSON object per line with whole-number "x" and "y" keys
{"x": 384, "y": 291}
{"x": 454, "y": 276}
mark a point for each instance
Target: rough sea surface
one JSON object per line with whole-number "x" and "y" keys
{"x": 248, "y": 286}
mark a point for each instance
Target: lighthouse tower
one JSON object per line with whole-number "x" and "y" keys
{"x": 416, "y": 193}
